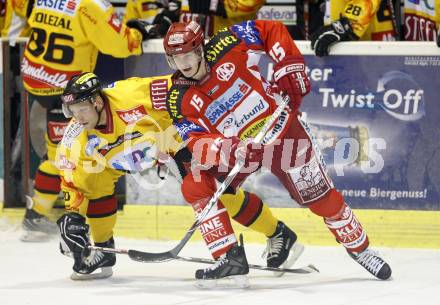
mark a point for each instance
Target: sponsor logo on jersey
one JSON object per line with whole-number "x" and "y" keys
{"x": 55, "y": 130}
{"x": 219, "y": 45}
{"x": 247, "y": 32}
{"x": 60, "y": 6}
{"x": 227, "y": 100}
{"x": 115, "y": 22}
{"x": 225, "y": 71}
{"x": 64, "y": 163}
{"x": 252, "y": 130}
{"x": 158, "y": 93}
{"x": 104, "y": 150}
{"x": 70, "y": 134}
{"x": 83, "y": 10}
{"x": 251, "y": 108}
{"x": 92, "y": 142}
{"x": 185, "y": 128}
{"x": 40, "y": 76}
{"x": 277, "y": 129}
{"x": 418, "y": 28}
{"x": 133, "y": 115}
{"x": 172, "y": 104}
{"x": 137, "y": 158}
{"x": 283, "y": 13}
{"x": 309, "y": 181}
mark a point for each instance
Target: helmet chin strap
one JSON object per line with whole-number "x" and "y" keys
{"x": 99, "y": 114}
{"x": 198, "y": 67}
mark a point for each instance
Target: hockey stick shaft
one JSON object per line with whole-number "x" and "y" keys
{"x": 304, "y": 270}
{"x": 133, "y": 255}
{"x": 240, "y": 163}
{"x": 233, "y": 173}
{"x": 172, "y": 254}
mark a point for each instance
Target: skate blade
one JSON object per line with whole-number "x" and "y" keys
{"x": 34, "y": 237}
{"x": 229, "y": 282}
{"x": 105, "y": 273}
{"x": 294, "y": 253}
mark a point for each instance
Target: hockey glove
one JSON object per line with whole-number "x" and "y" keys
{"x": 147, "y": 30}
{"x": 208, "y": 7}
{"x": 291, "y": 79}
{"x": 74, "y": 236}
{"x": 328, "y": 35}
{"x": 241, "y": 150}
{"x": 163, "y": 21}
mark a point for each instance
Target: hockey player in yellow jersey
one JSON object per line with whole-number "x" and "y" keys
{"x": 348, "y": 20}
{"x": 2, "y": 13}
{"x": 217, "y": 14}
{"x": 65, "y": 38}
{"x": 15, "y": 23}
{"x": 121, "y": 129}
{"x": 211, "y": 14}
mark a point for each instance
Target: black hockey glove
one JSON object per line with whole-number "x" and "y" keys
{"x": 207, "y": 7}
{"x": 163, "y": 21}
{"x": 328, "y": 35}
{"x": 147, "y": 30}
{"x": 74, "y": 235}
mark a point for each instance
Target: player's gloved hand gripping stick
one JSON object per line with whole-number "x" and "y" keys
{"x": 173, "y": 253}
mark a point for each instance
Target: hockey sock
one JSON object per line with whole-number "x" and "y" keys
{"x": 248, "y": 209}
{"x": 101, "y": 214}
{"x": 348, "y": 230}
{"x": 47, "y": 187}
{"x": 216, "y": 230}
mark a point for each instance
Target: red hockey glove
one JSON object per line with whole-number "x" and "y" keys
{"x": 242, "y": 150}
{"x": 291, "y": 78}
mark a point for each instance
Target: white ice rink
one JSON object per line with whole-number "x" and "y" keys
{"x": 37, "y": 274}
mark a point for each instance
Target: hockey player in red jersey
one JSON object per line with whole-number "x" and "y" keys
{"x": 220, "y": 100}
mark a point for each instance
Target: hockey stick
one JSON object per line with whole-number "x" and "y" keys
{"x": 172, "y": 254}
{"x": 138, "y": 256}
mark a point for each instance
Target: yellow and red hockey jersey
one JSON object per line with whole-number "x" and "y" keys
{"x": 370, "y": 19}
{"x": 138, "y": 128}
{"x": 65, "y": 39}
{"x": 421, "y": 20}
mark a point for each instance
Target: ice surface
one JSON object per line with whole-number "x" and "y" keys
{"x": 37, "y": 274}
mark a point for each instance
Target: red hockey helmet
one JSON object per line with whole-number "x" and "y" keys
{"x": 183, "y": 38}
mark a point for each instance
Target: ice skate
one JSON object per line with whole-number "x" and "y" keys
{"x": 282, "y": 249}
{"x": 372, "y": 263}
{"x": 232, "y": 265}
{"x": 37, "y": 228}
{"x": 97, "y": 265}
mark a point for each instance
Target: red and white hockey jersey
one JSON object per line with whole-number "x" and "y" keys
{"x": 235, "y": 100}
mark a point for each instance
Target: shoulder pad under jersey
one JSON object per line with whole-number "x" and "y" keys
{"x": 174, "y": 100}
{"x": 220, "y": 44}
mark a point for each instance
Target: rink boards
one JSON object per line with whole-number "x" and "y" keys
{"x": 386, "y": 228}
